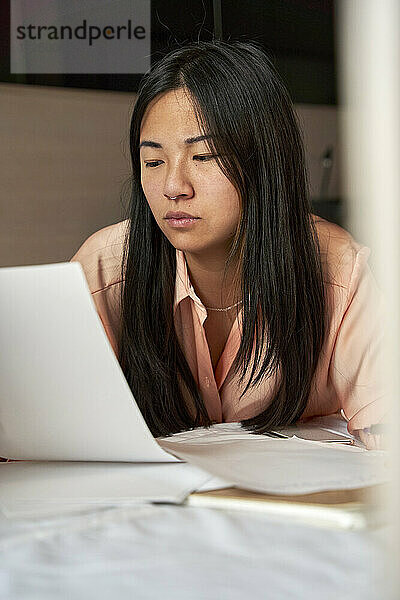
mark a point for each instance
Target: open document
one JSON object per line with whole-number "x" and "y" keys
{"x": 63, "y": 393}
{"x": 292, "y": 464}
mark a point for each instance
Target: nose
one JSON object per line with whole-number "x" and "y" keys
{"x": 177, "y": 184}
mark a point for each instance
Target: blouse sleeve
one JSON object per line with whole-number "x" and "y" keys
{"x": 99, "y": 258}
{"x": 355, "y": 369}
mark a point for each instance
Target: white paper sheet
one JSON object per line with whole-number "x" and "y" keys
{"x": 278, "y": 466}
{"x": 63, "y": 393}
{"x": 41, "y": 488}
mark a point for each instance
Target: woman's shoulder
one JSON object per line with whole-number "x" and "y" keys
{"x": 101, "y": 254}
{"x": 342, "y": 257}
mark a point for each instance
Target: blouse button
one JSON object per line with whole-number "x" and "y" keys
{"x": 207, "y": 381}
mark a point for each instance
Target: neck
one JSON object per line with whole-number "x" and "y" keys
{"x": 206, "y": 276}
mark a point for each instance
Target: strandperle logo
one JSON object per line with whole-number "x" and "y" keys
{"x": 91, "y": 33}
{"x": 80, "y": 36}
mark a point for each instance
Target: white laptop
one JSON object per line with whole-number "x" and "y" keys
{"x": 63, "y": 395}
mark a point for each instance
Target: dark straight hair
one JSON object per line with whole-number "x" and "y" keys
{"x": 240, "y": 101}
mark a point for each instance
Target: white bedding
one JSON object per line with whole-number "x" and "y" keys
{"x": 184, "y": 553}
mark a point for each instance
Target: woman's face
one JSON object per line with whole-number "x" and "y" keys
{"x": 173, "y": 166}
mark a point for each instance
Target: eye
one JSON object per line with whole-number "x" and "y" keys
{"x": 152, "y": 163}
{"x": 205, "y": 157}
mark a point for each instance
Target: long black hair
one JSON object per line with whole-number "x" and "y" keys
{"x": 239, "y": 99}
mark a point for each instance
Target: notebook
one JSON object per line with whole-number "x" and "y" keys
{"x": 358, "y": 508}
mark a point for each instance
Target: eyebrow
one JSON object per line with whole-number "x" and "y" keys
{"x": 190, "y": 140}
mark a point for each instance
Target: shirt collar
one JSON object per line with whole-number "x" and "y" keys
{"x": 183, "y": 285}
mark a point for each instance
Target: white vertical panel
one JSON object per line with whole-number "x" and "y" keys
{"x": 369, "y": 66}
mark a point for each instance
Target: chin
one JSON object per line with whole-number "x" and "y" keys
{"x": 190, "y": 248}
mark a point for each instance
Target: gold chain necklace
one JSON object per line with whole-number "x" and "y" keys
{"x": 224, "y": 309}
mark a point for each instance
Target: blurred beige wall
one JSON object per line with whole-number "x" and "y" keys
{"x": 64, "y": 160}
{"x": 65, "y": 157}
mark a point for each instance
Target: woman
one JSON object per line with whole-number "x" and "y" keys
{"x": 224, "y": 299}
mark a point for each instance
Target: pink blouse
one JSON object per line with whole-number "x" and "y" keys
{"x": 347, "y": 375}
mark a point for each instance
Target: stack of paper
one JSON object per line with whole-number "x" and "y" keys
{"x": 279, "y": 465}
{"x": 34, "y": 488}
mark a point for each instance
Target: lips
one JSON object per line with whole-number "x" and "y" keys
{"x": 179, "y": 215}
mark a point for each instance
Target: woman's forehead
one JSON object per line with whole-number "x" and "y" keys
{"x": 171, "y": 109}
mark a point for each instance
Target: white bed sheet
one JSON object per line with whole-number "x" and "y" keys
{"x": 185, "y": 553}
